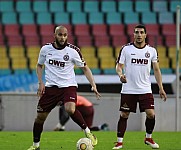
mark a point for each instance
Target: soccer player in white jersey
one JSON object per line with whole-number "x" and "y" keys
{"x": 136, "y": 59}
{"x": 59, "y": 59}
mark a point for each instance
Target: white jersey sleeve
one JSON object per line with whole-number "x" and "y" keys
{"x": 42, "y": 56}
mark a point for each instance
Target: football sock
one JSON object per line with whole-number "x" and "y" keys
{"x": 148, "y": 135}
{"x": 121, "y": 127}
{"x": 120, "y": 140}
{"x": 77, "y": 117}
{"x": 150, "y": 124}
{"x": 87, "y": 130}
{"x": 36, "y": 144}
{"x": 37, "y": 130}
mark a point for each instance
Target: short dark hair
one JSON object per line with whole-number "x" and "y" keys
{"x": 140, "y": 26}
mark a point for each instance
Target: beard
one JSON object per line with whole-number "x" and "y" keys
{"x": 60, "y": 45}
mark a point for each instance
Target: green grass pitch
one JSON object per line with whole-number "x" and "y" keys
{"x": 67, "y": 140}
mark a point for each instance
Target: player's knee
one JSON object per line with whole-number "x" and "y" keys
{"x": 125, "y": 114}
{"x": 41, "y": 118}
{"x": 151, "y": 116}
{"x": 70, "y": 111}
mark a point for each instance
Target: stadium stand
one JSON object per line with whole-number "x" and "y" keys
{"x": 26, "y": 18}
{"x": 108, "y": 6}
{"x": 56, "y": 6}
{"x": 96, "y": 18}
{"x": 23, "y": 6}
{"x": 90, "y": 23}
{"x": 79, "y": 18}
{"x": 113, "y": 18}
{"x": 91, "y": 6}
{"x": 61, "y": 18}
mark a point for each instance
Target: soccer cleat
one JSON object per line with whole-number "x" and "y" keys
{"x": 92, "y": 137}
{"x": 34, "y": 148}
{"x": 118, "y": 145}
{"x": 149, "y": 141}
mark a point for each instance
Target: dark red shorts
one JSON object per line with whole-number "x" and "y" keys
{"x": 129, "y": 102}
{"x": 54, "y": 96}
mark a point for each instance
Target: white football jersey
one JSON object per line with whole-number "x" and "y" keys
{"x": 137, "y": 65}
{"x": 59, "y": 64}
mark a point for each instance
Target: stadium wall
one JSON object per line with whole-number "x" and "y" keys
{"x": 17, "y": 113}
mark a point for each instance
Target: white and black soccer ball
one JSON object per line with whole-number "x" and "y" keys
{"x": 84, "y": 144}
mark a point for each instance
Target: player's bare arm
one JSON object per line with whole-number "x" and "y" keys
{"x": 158, "y": 78}
{"x": 41, "y": 86}
{"x": 90, "y": 78}
{"x": 119, "y": 68}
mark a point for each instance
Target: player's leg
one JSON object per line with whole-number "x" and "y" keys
{"x": 46, "y": 103}
{"x": 147, "y": 105}
{"x": 37, "y": 130}
{"x": 87, "y": 113}
{"x": 121, "y": 129}
{"x": 70, "y": 107}
{"x": 128, "y": 104}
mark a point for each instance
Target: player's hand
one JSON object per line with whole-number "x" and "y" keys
{"x": 41, "y": 89}
{"x": 163, "y": 95}
{"x": 98, "y": 96}
{"x": 123, "y": 79}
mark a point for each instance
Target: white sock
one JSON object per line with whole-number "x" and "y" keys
{"x": 120, "y": 140}
{"x": 148, "y": 135}
{"x": 62, "y": 127}
{"x": 87, "y": 130}
{"x": 36, "y": 144}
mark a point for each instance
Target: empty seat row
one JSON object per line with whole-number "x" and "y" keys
{"x": 89, "y": 6}
{"x": 90, "y": 18}
{"x": 97, "y": 58}
{"x": 81, "y": 35}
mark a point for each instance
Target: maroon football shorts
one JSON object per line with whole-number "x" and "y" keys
{"x": 54, "y": 96}
{"x": 129, "y": 102}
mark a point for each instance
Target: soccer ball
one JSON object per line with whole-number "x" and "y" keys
{"x": 84, "y": 144}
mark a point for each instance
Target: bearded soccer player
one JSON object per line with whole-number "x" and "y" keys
{"x": 136, "y": 59}
{"x": 59, "y": 59}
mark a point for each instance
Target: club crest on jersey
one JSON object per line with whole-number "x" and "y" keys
{"x": 147, "y": 55}
{"x": 66, "y": 57}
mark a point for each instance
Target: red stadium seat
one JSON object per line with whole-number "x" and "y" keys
{"x": 168, "y": 29}
{"x": 14, "y": 40}
{"x": 47, "y": 39}
{"x": 29, "y": 30}
{"x": 32, "y": 40}
{"x": 12, "y": 30}
{"x": 153, "y": 29}
{"x": 83, "y": 40}
{"x": 99, "y": 29}
{"x": 46, "y": 29}
{"x": 119, "y": 40}
{"x": 130, "y": 28}
{"x": 117, "y": 29}
{"x": 82, "y": 29}
{"x": 154, "y": 40}
{"x": 101, "y": 41}
{"x": 170, "y": 40}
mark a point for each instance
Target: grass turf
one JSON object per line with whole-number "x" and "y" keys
{"x": 67, "y": 140}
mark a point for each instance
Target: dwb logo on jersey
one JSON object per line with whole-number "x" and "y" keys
{"x": 139, "y": 61}
{"x": 56, "y": 63}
